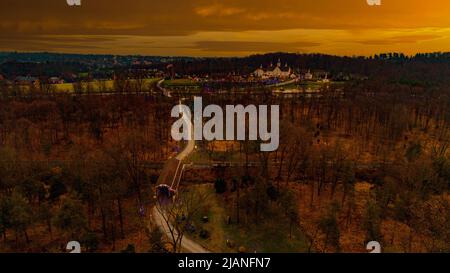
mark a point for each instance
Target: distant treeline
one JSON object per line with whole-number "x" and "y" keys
{"x": 427, "y": 69}
{"x": 421, "y": 69}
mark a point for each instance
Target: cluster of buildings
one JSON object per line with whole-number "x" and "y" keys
{"x": 277, "y": 71}
{"x": 30, "y": 81}
{"x": 26, "y": 80}
{"x": 285, "y": 72}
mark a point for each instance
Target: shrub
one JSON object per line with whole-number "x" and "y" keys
{"x": 221, "y": 186}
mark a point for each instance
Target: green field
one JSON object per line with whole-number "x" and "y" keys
{"x": 268, "y": 236}
{"x": 314, "y": 85}
{"x": 97, "y": 86}
{"x": 181, "y": 83}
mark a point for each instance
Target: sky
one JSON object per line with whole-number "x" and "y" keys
{"x": 226, "y": 27}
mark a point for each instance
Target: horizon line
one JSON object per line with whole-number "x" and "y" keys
{"x": 224, "y": 57}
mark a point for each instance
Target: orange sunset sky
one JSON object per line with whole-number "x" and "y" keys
{"x": 225, "y": 28}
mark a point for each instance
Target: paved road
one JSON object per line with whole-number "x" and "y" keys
{"x": 187, "y": 244}
{"x": 163, "y": 90}
{"x": 171, "y": 175}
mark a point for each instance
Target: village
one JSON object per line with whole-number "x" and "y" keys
{"x": 103, "y": 78}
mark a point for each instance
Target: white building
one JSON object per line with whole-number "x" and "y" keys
{"x": 277, "y": 72}
{"x": 308, "y": 75}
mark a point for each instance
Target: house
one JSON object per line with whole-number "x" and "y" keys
{"x": 259, "y": 72}
{"x": 55, "y": 80}
{"x": 274, "y": 72}
{"x": 325, "y": 80}
{"x": 308, "y": 76}
{"x": 26, "y": 80}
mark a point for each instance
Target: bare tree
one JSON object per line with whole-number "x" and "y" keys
{"x": 179, "y": 214}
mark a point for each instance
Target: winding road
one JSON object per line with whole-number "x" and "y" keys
{"x": 171, "y": 175}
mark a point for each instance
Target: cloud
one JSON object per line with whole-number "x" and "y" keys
{"x": 406, "y": 39}
{"x": 184, "y": 17}
{"x": 54, "y": 43}
{"x": 249, "y": 46}
{"x": 218, "y": 10}
{"x": 221, "y": 27}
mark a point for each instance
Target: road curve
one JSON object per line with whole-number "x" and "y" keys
{"x": 186, "y": 244}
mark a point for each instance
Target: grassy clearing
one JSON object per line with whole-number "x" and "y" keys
{"x": 200, "y": 156}
{"x": 268, "y": 236}
{"x": 311, "y": 85}
{"x": 180, "y": 83}
{"x": 217, "y": 219}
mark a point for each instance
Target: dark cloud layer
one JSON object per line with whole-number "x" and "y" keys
{"x": 400, "y": 39}
{"x": 182, "y": 17}
{"x": 36, "y": 20}
{"x": 236, "y": 46}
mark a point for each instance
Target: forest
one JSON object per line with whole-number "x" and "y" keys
{"x": 366, "y": 161}
{"x": 372, "y": 165}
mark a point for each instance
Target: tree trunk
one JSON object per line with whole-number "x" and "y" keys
{"x": 238, "y": 220}
{"x": 113, "y": 234}
{"x": 49, "y": 226}
{"x": 119, "y": 204}
{"x": 312, "y": 195}
{"x": 105, "y": 234}
{"x": 26, "y": 236}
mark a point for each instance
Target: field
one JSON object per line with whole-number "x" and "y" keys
{"x": 267, "y": 236}
{"x": 176, "y": 83}
{"x": 98, "y": 86}
{"x": 311, "y": 85}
